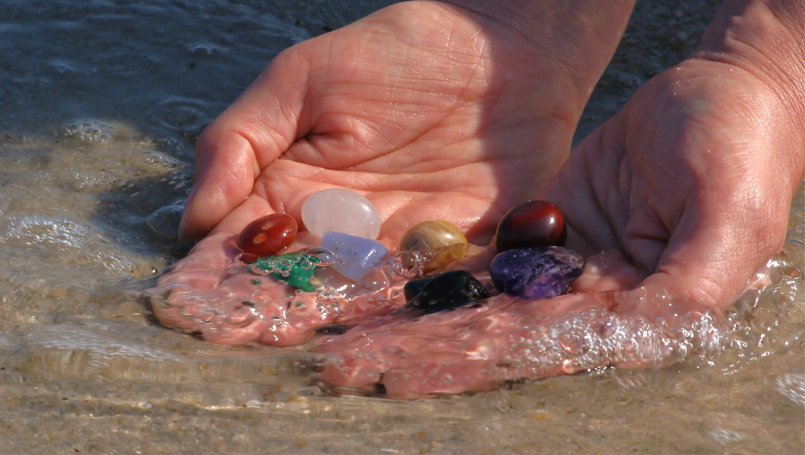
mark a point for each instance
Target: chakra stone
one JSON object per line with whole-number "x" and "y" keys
{"x": 267, "y": 236}
{"x": 360, "y": 255}
{"x": 341, "y": 211}
{"x": 443, "y": 239}
{"x": 530, "y": 225}
{"x": 295, "y": 269}
{"x": 445, "y": 291}
{"x": 536, "y": 273}
{"x": 414, "y": 287}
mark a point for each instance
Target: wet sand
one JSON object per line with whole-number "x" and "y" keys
{"x": 101, "y": 105}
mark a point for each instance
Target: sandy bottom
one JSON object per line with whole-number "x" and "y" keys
{"x": 89, "y": 210}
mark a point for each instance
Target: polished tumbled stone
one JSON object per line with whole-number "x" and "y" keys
{"x": 268, "y": 235}
{"x": 340, "y": 211}
{"x": 533, "y": 224}
{"x": 536, "y": 273}
{"x": 444, "y": 292}
{"x": 442, "y": 239}
{"x": 295, "y": 269}
{"x": 360, "y": 255}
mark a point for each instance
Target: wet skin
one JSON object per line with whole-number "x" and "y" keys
{"x": 429, "y": 111}
{"x": 433, "y": 340}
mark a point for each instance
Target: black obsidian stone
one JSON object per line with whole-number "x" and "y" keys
{"x": 414, "y": 287}
{"x": 444, "y": 292}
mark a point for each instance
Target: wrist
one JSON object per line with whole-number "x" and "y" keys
{"x": 766, "y": 38}
{"x": 581, "y": 36}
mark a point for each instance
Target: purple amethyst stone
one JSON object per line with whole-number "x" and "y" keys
{"x": 536, "y": 273}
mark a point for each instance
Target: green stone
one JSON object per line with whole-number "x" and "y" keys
{"x": 295, "y": 269}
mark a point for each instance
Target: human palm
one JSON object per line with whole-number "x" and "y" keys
{"x": 425, "y": 109}
{"x": 673, "y": 201}
{"x": 429, "y": 111}
{"x": 684, "y": 187}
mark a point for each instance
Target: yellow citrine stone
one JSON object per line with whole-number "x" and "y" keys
{"x": 441, "y": 238}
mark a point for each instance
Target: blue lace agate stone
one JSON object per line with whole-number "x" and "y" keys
{"x": 536, "y": 273}
{"x": 360, "y": 255}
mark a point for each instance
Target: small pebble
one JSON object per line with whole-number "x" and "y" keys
{"x": 360, "y": 255}
{"x": 340, "y": 211}
{"x": 446, "y": 291}
{"x": 295, "y": 269}
{"x": 414, "y": 287}
{"x": 445, "y": 240}
{"x": 529, "y": 225}
{"x": 536, "y": 273}
{"x": 268, "y": 235}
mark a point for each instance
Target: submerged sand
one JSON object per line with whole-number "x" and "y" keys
{"x": 101, "y": 104}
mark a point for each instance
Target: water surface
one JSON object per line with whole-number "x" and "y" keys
{"x": 101, "y": 104}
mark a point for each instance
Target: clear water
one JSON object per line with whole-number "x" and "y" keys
{"x": 101, "y": 102}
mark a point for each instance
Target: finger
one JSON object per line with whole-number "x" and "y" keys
{"x": 244, "y": 140}
{"x": 595, "y": 210}
{"x": 730, "y": 227}
{"x": 608, "y": 271}
{"x": 249, "y": 210}
{"x": 713, "y": 258}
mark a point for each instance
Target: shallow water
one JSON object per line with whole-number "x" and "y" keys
{"x": 101, "y": 103}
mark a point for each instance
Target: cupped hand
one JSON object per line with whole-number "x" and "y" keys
{"x": 676, "y": 201}
{"x": 435, "y": 112}
{"x": 427, "y": 109}
{"x": 687, "y": 190}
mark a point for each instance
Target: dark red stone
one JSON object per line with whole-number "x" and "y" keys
{"x": 249, "y": 258}
{"x": 267, "y": 236}
{"x": 531, "y": 225}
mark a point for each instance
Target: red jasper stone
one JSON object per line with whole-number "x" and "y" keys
{"x": 248, "y": 258}
{"x": 267, "y": 236}
{"x": 530, "y": 225}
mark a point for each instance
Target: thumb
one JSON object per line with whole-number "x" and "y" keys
{"x": 248, "y": 136}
